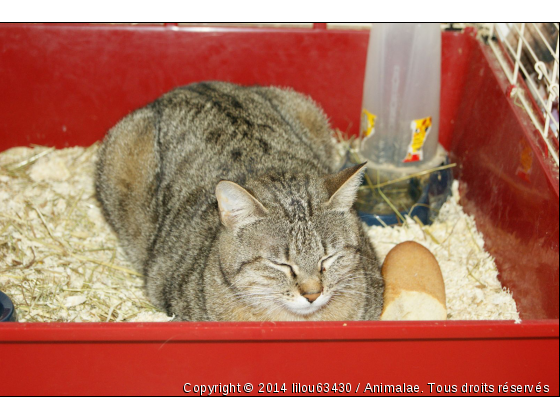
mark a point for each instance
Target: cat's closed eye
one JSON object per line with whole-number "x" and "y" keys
{"x": 286, "y": 268}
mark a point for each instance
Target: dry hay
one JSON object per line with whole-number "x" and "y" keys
{"x": 60, "y": 261}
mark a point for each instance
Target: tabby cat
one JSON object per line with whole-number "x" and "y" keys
{"x": 224, "y": 198}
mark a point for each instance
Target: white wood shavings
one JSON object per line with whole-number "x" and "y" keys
{"x": 473, "y": 291}
{"x": 60, "y": 261}
{"x": 51, "y": 169}
{"x": 74, "y": 300}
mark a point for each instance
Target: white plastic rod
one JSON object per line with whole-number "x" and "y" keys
{"x": 518, "y": 54}
{"x": 552, "y": 93}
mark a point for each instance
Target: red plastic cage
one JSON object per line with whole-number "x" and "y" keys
{"x": 66, "y": 85}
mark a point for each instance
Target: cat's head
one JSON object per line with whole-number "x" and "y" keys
{"x": 291, "y": 243}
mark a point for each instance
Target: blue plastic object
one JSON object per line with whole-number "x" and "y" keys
{"x": 7, "y": 311}
{"x": 431, "y": 198}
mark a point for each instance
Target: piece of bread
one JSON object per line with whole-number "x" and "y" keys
{"x": 414, "y": 288}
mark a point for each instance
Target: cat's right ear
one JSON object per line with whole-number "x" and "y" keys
{"x": 237, "y": 206}
{"x": 343, "y": 187}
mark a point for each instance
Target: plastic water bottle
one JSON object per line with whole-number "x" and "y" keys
{"x": 400, "y": 116}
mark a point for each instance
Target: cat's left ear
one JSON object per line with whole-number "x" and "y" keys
{"x": 343, "y": 186}
{"x": 237, "y": 206}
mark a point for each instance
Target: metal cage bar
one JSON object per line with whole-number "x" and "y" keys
{"x": 517, "y": 47}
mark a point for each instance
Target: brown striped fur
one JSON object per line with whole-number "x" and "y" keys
{"x": 225, "y": 198}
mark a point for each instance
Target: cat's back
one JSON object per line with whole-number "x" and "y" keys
{"x": 216, "y": 130}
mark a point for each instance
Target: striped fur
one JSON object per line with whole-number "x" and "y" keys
{"x": 287, "y": 233}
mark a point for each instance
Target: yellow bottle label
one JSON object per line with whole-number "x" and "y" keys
{"x": 368, "y": 123}
{"x": 420, "y": 129}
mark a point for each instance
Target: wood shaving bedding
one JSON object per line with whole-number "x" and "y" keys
{"x": 472, "y": 288}
{"x": 60, "y": 261}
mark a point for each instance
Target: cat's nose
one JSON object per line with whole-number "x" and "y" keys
{"x": 311, "y": 289}
{"x": 311, "y": 297}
